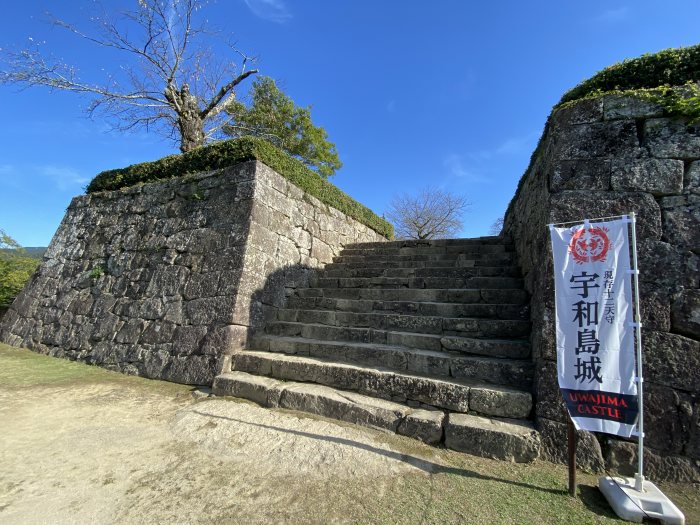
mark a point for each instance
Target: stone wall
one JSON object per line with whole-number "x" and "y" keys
{"x": 166, "y": 280}
{"x": 603, "y": 157}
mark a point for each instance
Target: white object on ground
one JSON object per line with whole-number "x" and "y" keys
{"x": 633, "y": 505}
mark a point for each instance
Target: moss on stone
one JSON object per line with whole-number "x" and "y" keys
{"x": 227, "y": 153}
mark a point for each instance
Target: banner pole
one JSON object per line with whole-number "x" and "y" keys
{"x": 571, "y": 442}
{"x": 639, "y": 477}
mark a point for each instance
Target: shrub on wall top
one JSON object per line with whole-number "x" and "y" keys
{"x": 670, "y": 67}
{"x": 229, "y": 152}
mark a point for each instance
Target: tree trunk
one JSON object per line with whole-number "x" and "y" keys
{"x": 191, "y": 131}
{"x": 190, "y": 121}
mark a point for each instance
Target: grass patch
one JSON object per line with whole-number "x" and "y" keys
{"x": 22, "y": 368}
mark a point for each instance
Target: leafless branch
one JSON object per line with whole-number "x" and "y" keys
{"x": 432, "y": 214}
{"x": 171, "y": 76}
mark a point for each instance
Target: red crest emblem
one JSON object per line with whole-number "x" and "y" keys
{"x": 589, "y": 245}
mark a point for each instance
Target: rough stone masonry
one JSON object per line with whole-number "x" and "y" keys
{"x": 603, "y": 157}
{"x": 166, "y": 280}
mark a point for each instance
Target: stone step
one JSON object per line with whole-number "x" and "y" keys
{"x": 417, "y": 282}
{"x": 426, "y": 308}
{"x": 435, "y": 295}
{"x": 426, "y": 425}
{"x": 475, "y": 271}
{"x": 464, "y": 249}
{"x": 465, "y": 327}
{"x": 459, "y": 395}
{"x": 412, "y": 243}
{"x": 446, "y": 263}
{"x": 456, "y": 258}
{"x": 502, "y": 439}
{"x": 398, "y": 356}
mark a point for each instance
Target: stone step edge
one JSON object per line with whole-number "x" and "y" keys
{"x": 439, "y": 329}
{"x": 389, "y": 313}
{"x": 455, "y": 394}
{"x": 510, "y": 440}
{"x": 281, "y": 344}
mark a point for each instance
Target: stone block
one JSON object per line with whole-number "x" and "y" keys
{"x": 621, "y": 458}
{"x": 553, "y": 434}
{"x": 672, "y": 138}
{"x": 589, "y": 174}
{"x": 626, "y": 107}
{"x": 424, "y": 425}
{"x": 692, "y": 178}
{"x": 187, "y": 340}
{"x": 573, "y": 205}
{"x": 685, "y": 313}
{"x": 681, "y": 221}
{"x": 596, "y": 140}
{"x": 668, "y": 418}
{"x": 666, "y": 268}
{"x": 581, "y": 112}
{"x": 492, "y": 438}
{"x": 656, "y": 176}
{"x": 672, "y": 360}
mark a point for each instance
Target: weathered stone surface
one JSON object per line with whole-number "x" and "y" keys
{"x": 583, "y": 112}
{"x": 172, "y": 274}
{"x": 671, "y": 360}
{"x": 685, "y": 313}
{"x": 692, "y": 178}
{"x": 681, "y": 221}
{"x": 345, "y": 406}
{"x": 621, "y": 458}
{"x": 263, "y": 390}
{"x": 589, "y": 174}
{"x": 621, "y": 107}
{"x": 497, "y": 439}
{"x": 655, "y": 176}
{"x": 424, "y": 425}
{"x": 553, "y": 434}
{"x": 667, "y": 268}
{"x": 668, "y": 415}
{"x": 669, "y": 138}
{"x": 599, "y": 139}
{"x": 568, "y": 205}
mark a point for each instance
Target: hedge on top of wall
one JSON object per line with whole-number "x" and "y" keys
{"x": 670, "y": 67}
{"x": 229, "y": 152}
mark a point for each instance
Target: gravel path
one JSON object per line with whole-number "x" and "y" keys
{"x": 109, "y": 454}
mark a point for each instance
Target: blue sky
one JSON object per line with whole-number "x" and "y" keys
{"x": 449, "y": 93}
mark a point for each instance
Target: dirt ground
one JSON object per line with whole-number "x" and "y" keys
{"x": 82, "y": 445}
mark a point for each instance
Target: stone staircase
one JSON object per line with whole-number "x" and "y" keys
{"x": 424, "y": 338}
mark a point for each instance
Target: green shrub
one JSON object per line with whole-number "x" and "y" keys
{"x": 670, "y": 67}
{"x": 227, "y": 153}
{"x": 15, "y": 271}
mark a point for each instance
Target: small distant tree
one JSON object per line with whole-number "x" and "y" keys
{"x": 272, "y": 115}
{"x": 15, "y": 269}
{"x": 496, "y": 227}
{"x": 431, "y": 214}
{"x": 171, "y": 80}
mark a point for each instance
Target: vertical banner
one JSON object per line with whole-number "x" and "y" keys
{"x": 595, "y": 332}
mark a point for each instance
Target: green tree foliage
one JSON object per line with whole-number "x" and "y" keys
{"x": 15, "y": 269}
{"x": 272, "y": 115}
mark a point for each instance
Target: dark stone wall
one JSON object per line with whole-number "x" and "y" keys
{"x": 608, "y": 156}
{"x": 163, "y": 280}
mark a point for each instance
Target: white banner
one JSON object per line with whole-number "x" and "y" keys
{"x": 595, "y": 334}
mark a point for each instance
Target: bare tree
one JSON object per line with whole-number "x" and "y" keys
{"x": 170, "y": 82}
{"x": 432, "y": 214}
{"x": 496, "y": 227}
